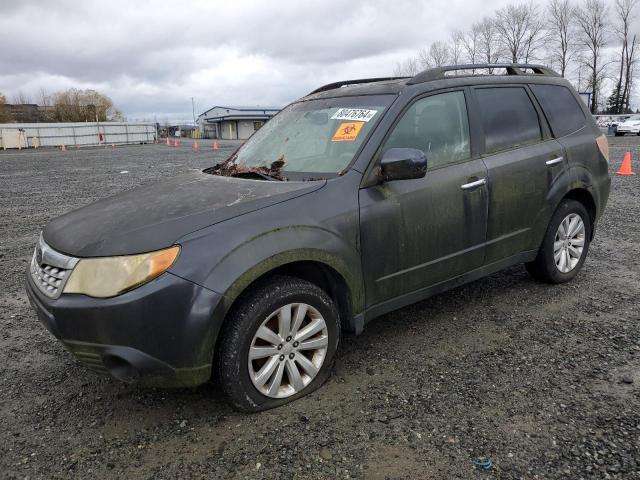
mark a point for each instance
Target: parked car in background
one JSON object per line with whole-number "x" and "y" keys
{"x": 360, "y": 198}
{"x": 630, "y": 125}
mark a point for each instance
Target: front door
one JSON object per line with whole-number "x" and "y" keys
{"x": 418, "y": 233}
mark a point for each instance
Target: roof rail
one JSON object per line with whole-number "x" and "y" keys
{"x": 511, "y": 69}
{"x": 331, "y": 86}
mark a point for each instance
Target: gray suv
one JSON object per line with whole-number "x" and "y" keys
{"x": 360, "y": 198}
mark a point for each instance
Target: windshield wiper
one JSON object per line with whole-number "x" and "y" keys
{"x": 268, "y": 176}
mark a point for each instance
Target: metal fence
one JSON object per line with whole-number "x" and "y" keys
{"x": 34, "y": 135}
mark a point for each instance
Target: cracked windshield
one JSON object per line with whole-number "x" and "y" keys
{"x": 317, "y": 136}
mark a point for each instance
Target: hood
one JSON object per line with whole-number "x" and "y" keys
{"x": 156, "y": 216}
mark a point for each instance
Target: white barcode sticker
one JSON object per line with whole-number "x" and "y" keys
{"x": 359, "y": 114}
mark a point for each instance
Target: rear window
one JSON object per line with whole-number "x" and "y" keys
{"x": 561, "y": 108}
{"x": 508, "y": 117}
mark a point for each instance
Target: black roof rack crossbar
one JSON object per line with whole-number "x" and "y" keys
{"x": 511, "y": 69}
{"x": 331, "y": 86}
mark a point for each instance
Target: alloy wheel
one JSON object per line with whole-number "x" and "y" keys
{"x": 288, "y": 350}
{"x": 569, "y": 243}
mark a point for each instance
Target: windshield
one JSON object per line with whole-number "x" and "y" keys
{"x": 317, "y": 136}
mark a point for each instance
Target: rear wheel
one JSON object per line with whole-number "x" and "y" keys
{"x": 278, "y": 345}
{"x": 565, "y": 245}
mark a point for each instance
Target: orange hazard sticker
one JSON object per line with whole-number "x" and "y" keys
{"x": 347, "y": 132}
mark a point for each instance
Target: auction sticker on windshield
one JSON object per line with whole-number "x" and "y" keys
{"x": 347, "y": 132}
{"x": 360, "y": 114}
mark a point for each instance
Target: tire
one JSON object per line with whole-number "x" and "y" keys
{"x": 544, "y": 267}
{"x": 619, "y": 134}
{"x": 261, "y": 307}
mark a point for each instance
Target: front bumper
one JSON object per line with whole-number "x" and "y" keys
{"x": 160, "y": 334}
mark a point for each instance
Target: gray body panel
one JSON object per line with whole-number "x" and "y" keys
{"x": 417, "y": 233}
{"x": 155, "y": 216}
{"x": 381, "y": 245}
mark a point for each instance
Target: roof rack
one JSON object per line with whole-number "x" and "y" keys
{"x": 331, "y": 86}
{"x": 511, "y": 69}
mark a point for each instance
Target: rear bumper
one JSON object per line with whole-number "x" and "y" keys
{"x": 161, "y": 334}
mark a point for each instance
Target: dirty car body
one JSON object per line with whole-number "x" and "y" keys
{"x": 396, "y": 190}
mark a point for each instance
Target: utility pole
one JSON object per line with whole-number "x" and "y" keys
{"x": 193, "y": 111}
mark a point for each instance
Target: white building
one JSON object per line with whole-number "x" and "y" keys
{"x": 233, "y": 123}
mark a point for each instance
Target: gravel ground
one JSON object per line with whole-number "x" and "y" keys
{"x": 542, "y": 380}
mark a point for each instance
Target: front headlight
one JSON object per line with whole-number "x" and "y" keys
{"x": 110, "y": 276}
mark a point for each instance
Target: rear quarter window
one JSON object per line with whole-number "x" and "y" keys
{"x": 561, "y": 108}
{"x": 509, "y": 118}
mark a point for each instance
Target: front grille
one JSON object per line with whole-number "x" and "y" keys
{"x": 49, "y": 279}
{"x": 50, "y": 270}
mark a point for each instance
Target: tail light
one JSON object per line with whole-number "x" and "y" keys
{"x": 603, "y": 146}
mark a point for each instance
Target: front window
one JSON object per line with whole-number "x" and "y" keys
{"x": 316, "y": 137}
{"x": 437, "y": 125}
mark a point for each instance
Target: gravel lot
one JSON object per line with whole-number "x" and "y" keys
{"x": 544, "y": 381}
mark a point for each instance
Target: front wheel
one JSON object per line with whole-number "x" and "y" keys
{"x": 565, "y": 244}
{"x": 278, "y": 344}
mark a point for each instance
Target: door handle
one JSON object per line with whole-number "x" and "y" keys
{"x": 477, "y": 183}
{"x": 554, "y": 161}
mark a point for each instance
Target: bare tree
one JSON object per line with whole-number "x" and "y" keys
{"x": 630, "y": 62}
{"x": 4, "y": 114}
{"x": 75, "y": 105}
{"x": 592, "y": 20}
{"x": 519, "y": 28}
{"x": 623, "y": 10}
{"x": 21, "y": 98}
{"x": 44, "y": 98}
{"x": 565, "y": 33}
{"x": 488, "y": 48}
{"x": 437, "y": 55}
{"x": 456, "y": 47}
{"x": 408, "y": 68}
{"x": 471, "y": 43}
{"x": 561, "y": 32}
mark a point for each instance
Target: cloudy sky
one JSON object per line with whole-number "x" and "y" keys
{"x": 151, "y": 57}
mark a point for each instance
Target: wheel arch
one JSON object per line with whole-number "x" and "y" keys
{"x": 585, "y": 197}
{"x": 325, "y": 272}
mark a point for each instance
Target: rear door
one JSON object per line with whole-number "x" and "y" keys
{"x": 568, "y": 123}
{"x": 523, "y": 162}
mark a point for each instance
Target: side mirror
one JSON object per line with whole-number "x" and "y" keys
{"x": 403, "y": 164}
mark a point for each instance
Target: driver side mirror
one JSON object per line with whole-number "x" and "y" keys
{"x": 403, "y": 164}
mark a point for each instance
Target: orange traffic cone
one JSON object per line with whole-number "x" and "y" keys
{"x": 196, "y": 146}
{"x": 625, "y": 168}
{"x": 113, "y": 145}
{"x": 168, "y": 143}
{"x": 215, "y": 145}
{"x": 176, "y": 143}
{"x": 63, "y": 148}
